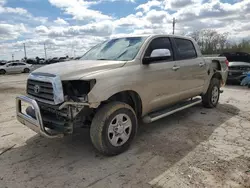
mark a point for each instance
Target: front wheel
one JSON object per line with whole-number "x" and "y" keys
{"x": 113, "y": 128}
{"x": 26, "y": 70}
{"x": 211, "y": 98}
{"x": 2, "y": 71}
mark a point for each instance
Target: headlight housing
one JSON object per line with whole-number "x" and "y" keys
{"x": 77, "y": 90}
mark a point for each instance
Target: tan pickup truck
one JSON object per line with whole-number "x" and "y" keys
{"x": 118, "y": 82}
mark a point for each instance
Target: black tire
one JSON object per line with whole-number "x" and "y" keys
{"x": 209, "y": 100}
{"x": 101, "y": 123}
{"x": 26, "y": 70}
{"x": 2, "y": 71}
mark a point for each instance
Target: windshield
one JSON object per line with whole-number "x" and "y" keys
{"x": 121, "y": 49}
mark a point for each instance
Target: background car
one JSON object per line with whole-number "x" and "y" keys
{"x": 32, "y": 61}
{"x": 239, "y": 66}
{"x": 2, "y": 63}
{"x": 16, "y": 67}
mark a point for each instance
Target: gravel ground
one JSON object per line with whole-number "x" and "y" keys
{"x": 197, "y": 147}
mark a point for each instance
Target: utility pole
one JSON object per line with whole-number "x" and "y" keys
{"x": 174, "y": 21}
{"x": 25, "y": 55}
{"x": 45, "y": 52}
{"x": 12, "y": 57}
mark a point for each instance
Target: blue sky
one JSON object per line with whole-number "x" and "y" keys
{"x": 70, "y": 27}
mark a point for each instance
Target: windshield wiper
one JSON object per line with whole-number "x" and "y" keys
{"x": 103, "y": 59}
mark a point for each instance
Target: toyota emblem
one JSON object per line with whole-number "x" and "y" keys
{"x": 37, "y": 89}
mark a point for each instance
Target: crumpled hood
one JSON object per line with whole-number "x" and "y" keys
{"x": 74, "y": 70}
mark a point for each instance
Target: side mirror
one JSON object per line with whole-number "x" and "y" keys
{"x": 160, "y": 53}
{"x": 157, "y": 55}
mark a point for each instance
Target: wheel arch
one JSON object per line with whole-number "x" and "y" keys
{"x": 3, "y": 70}
{"x": 129, "y": 97}
{"x": 217, "y": 75}
{"x": 216, "y": 65}
{"x": 214, "y": 74}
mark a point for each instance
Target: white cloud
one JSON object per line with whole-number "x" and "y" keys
{"x": 61, "y": 21}
{"x": 102, "y": 29}
{"x": 158, "y": 16}
{"x": 179, "y": 4}
{"x": 20, "y": 11}
{"x": 2, "y": 2}
{"x": 18, "y": 14}
{"x": 131, "y": 21}
{"x": 79, "y": 9}
{"x": 42, "y": 29}
{"x": 147, "y": 6}
{"x": 10, "y": 32}
{"x": 131, "y": 1}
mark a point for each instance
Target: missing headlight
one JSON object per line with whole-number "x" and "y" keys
{"x": 77, "y": 89}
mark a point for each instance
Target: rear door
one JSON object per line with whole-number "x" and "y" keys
{"x": 21, "y": 67}
{"x": 192, "y": 68}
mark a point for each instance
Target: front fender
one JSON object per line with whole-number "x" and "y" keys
{"x": 102, "y": 93}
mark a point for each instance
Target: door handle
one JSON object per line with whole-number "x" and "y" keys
{"x": 201, "y": 64}
{"x": 175, "y": 68}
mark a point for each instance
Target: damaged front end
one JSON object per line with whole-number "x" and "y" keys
{"x": 55, "y": 107}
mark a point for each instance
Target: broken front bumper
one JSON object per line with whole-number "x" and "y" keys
{"x": 34, "y": 123}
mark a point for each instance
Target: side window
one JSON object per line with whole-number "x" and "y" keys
{"x": 14, "y": 64}
{"x": 21, "y": 64}
{"x": 185, "y": 49}
{"x": 160, "y": 47}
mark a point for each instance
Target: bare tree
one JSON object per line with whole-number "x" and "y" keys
{"x": 223, "y": 40}
{"x": 210, "y": 41}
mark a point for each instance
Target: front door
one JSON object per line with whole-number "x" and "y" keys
{"x": 162, "y": 77}
{"x": 11, "y": 68}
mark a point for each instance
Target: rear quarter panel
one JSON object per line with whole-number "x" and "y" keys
{"x": 223, "y": 70}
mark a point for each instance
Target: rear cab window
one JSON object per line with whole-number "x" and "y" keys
{"x": 185, "y": 49}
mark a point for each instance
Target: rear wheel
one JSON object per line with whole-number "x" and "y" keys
{"x": 26, "y": 70}
{"x": 211, "y": 98}
{"x": 2, "y": 71}
{"x": 113, "y": 128}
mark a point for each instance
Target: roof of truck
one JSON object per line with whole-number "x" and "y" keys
{"x": 150, "y": 35}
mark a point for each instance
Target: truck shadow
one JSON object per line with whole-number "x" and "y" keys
{"x": 74, "y": 159}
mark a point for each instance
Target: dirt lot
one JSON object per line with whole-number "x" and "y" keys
{"x": 197, "y": 147}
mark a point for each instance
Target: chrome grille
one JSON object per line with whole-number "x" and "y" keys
{"x": 40, "y": 90}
